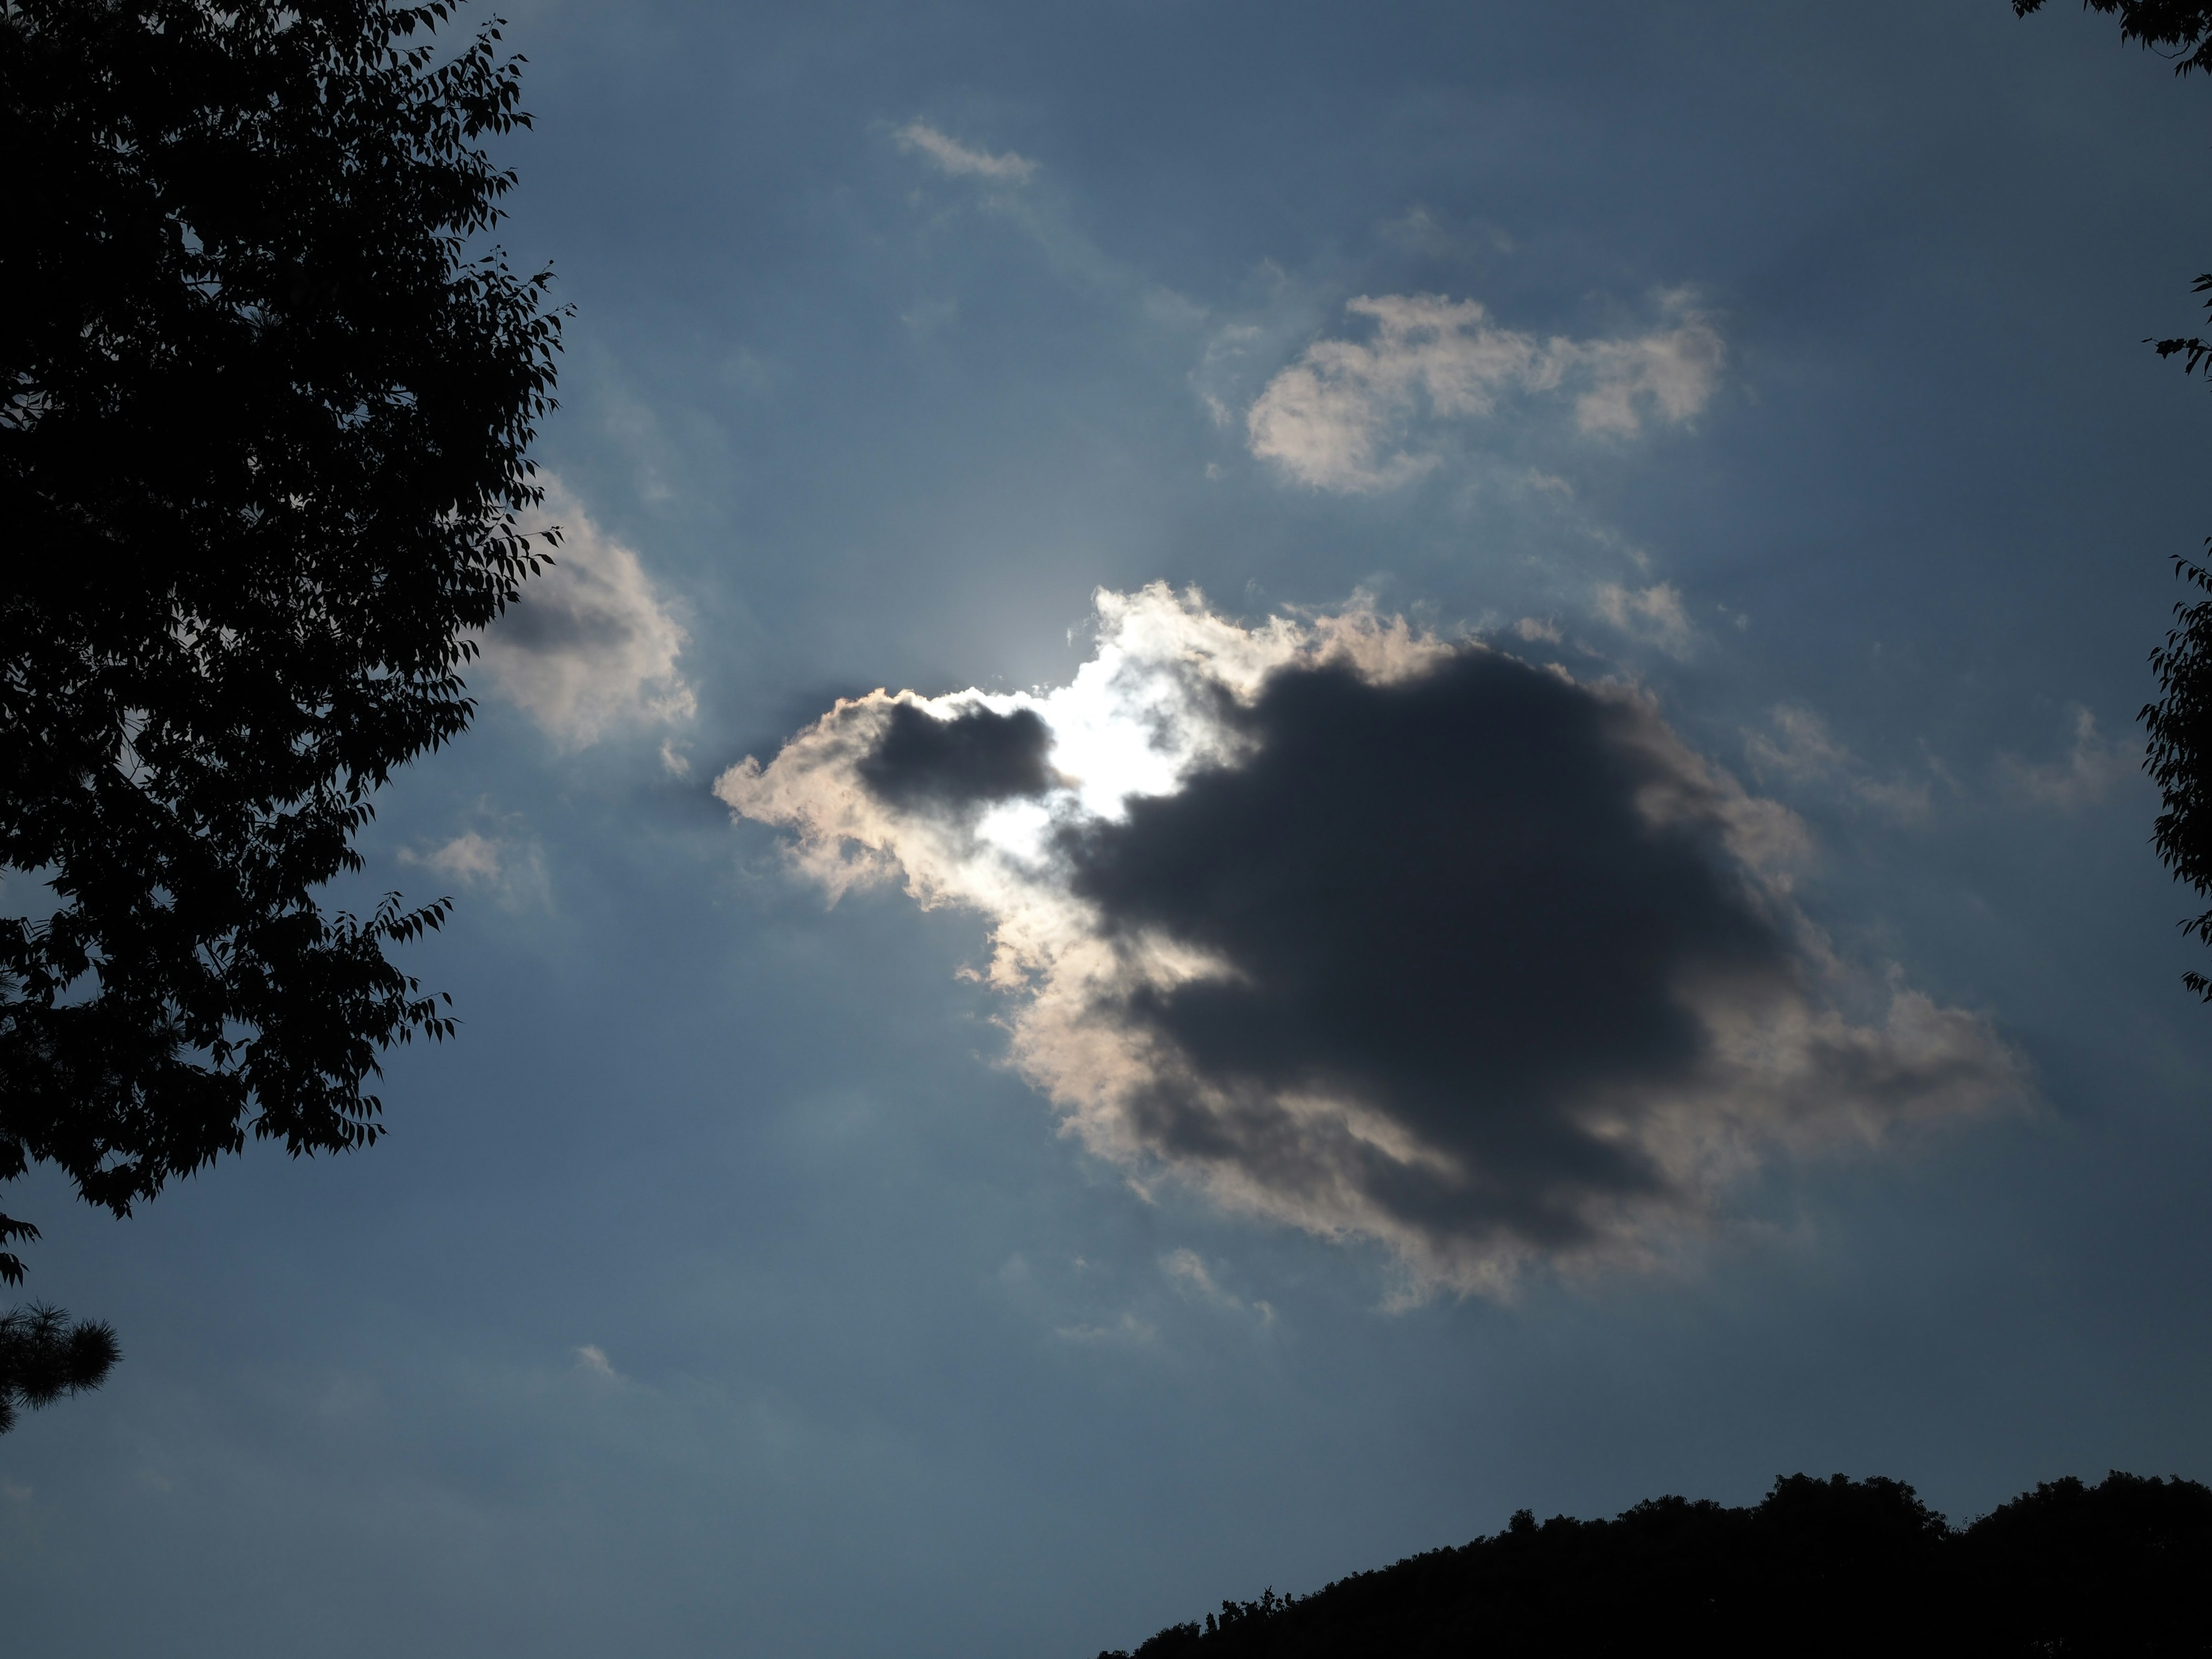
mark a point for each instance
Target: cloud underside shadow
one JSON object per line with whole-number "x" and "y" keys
{"x": 1380, "y": 936}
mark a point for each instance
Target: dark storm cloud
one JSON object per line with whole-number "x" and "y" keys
{"x": 976, "y": 755}
{"x": 1396, "y": 938}
{"x": 1437, "y": 898}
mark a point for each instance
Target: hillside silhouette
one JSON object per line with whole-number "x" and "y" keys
{"x": 1818, "y": 1567}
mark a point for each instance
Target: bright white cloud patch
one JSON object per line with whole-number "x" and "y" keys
{"x": 957, "y": 159}
{"x": 1379, "y": 935}
{"x": 1344, "y": 416}
{"x": 591, "y": 647}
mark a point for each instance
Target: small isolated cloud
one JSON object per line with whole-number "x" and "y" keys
{"x": 591, "y": 647}
{"x": 1343, "y": 416}
{"x": 592, "y": 1360}
{"x": 2088, "y": 772}
{"x": 1798, "y": 747}
{"x": 469, "y": 859}
{"x": 514, "y": 872}
{"x": 950, "y": 155}
{"x": 1653, "y": 614}
{"x": 1378, "y": 935}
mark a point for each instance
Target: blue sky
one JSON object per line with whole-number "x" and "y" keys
{"x": 732, "y": 1284}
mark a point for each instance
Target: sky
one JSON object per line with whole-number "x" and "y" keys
{"x": 1296, "y": 774}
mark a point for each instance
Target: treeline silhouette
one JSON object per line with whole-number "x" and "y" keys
{"x": 1819, "y": 1567}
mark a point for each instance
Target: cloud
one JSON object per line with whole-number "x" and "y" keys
{"x": 976, "y": 755}
{"x": 1341, "y": 416}
{"x": 957, "y": 159}
{"x": 2090, "y": 769}
{"x": 1798, "y": 746}
{"x": 1379, "y": 935}
{"x": 512, "y": 871}
{"x": 468, "y": 858}
{"x": 591, "y": 647}
{"x": 1187, "y": 1271}
{"x": 592, "y": 1360}
{"x": 1653, "y": 613}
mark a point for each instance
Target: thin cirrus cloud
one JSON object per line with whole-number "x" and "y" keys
{"x": 960, "y": 161}
{"x": 1344, "y": 416}
{"x": 592, "y": 647}
{"x": 1379, "y": 935}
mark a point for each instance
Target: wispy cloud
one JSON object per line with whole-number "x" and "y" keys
{"x": 2092, "y": 766}
{"x": 511, "y": 870}
{"x": 469, "y": 858}
{"x": 1653, "y": 614}
{"x": 1380, "y": 935}
{"x": 1345, "y": 415}
{"x": 1797, "y": 746}
{"x": 963, "y": 161}
{"x": 1187, "y": 1269}
{"x": 592, "y": 647}
{"x": 1127, "y": 1331}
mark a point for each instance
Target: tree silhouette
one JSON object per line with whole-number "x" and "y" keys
{"x": 1819, "y": 1567}
{"x": 2180, "y": 722}
{"x": 44, "y": 1357}
{"x": 269, "y": 400}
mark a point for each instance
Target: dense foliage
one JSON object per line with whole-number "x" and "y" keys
{"x": 268, "y": 401}
{"x": 1818, "y": 1568}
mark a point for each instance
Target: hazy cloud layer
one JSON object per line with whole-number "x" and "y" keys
{"x": 1345, "y": 415}
{"x": 591, "y": 647}
{"x": 1379, "y": 935}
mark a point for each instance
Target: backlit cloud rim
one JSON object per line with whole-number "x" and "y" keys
{"x": 1380, "y": 935}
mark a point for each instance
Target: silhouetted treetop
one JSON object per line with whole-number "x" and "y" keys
{"x": 1819, "y": 1567}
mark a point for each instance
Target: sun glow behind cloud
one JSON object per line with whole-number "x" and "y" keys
{"x": 1379, "y": 934}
